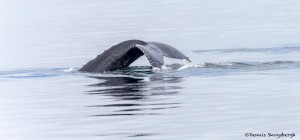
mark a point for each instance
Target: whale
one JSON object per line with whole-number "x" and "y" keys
{"x": 123, "y": 54}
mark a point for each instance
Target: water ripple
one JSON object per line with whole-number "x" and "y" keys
{"x": 285, "y": 49}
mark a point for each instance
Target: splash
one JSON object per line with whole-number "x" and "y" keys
{"x": 189, "y": 64}
{"x": 69, "y": 70}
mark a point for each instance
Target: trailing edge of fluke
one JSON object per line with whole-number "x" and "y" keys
{"x": 123, "y": 54}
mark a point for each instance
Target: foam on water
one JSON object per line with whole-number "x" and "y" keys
{"x": 69, "y": 70}
{"x": 188, "y": 64}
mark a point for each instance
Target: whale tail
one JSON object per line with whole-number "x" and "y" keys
{"x": 125, "y": 53}
{"x": 169, "y": 51}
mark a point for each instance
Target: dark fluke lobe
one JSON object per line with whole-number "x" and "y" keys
{"x": 123, "y": 54}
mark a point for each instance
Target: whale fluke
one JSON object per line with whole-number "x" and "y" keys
{"x": 123, "y": 54}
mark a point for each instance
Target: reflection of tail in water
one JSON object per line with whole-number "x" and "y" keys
{"x": 125, "y": 88}
{"x": 135, "y": 88}
{"x": 134, "y": 95}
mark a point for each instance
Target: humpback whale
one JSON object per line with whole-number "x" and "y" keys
{"x": 123, "y": 54}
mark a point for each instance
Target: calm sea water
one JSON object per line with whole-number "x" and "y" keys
{"x": 247, "y": 79}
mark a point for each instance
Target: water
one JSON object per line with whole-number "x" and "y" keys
{"x": 246, "y": 79}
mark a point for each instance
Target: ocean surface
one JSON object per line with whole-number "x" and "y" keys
{"x": 244, "y": 80}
